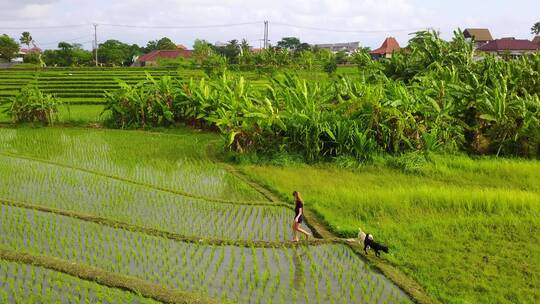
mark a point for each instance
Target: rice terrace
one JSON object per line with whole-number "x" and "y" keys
{"x": 293, "y": 172}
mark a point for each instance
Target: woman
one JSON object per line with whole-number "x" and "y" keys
{"x": 298, "y": 217}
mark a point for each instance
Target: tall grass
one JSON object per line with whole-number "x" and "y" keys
{"x": 466, "y": 229}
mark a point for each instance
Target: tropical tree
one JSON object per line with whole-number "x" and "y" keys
{"x": 434, "y": 97}
{"x": 165, "y": 44}
{"x": 80, "y": 56}
{"x": 290, "y": 43}
{"x": 147, "y": 103}
{"x": 231, "y": 51}
{"x": 8, "y": 47}
{"x": 535, "y": 29}
{"x": 115, "y": 53}
{"x": 65, "y": 54}
{"x": 161, "y": 44}
{"x": 32, "y": 105}
{"x": 26, "y": 38}
{"x": 244, "y": 47}
{"x": 33, "y": 58}
{"x": 202, "y": 49}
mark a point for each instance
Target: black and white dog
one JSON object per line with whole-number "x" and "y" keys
{"x": 370, "y": 243}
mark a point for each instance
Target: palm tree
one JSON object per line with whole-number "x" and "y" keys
{"x": 244, "y": 47}
{"x": 26, "y": 38}
{"x": 535, "y": 29}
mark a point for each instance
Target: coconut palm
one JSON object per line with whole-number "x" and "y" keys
{"x": 26, "y": 38}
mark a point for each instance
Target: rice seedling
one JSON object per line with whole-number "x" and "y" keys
{"x": 176, "y": 162}
{"x": 154, "y": 260}
{"x": 31, "y": 284}
{"x": 55, "y": 187}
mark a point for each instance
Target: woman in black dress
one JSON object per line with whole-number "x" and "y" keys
{"x": 298, "y": 216}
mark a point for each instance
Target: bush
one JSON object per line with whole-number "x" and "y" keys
{"x": 32, "y": 58}
{"x": 214, "y": 65}
{"x": 408, "y": 162}
{"x": 330, "y": 66}
{"x": 147, "y": 103}
{"x": 433, "y": 98}
{"x": 32, "y": 105}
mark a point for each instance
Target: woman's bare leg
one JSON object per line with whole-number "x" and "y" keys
{"x": 294, "y": 233}
{"x": 303, "y": 231}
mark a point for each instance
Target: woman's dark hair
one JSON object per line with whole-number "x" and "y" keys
{"x": 297, "y": 197}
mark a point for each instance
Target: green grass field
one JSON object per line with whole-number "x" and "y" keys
{"x": 467, "y": 230}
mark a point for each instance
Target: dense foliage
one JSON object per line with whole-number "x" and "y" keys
{"x": 8, "y": 47}
{"x": 147, "y": 103}
{"x": 433, "y": 97}
{"x": 32, "y": 105}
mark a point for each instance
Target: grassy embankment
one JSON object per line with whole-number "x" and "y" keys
{"x": 467, "y": 230}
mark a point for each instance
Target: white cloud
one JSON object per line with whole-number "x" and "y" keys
{"x": 33, "y": 11}
{"x": 330, "y": 14}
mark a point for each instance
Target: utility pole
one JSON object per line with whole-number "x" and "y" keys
{"x": 95, "y": 42}
{"x": 265, "y": 34}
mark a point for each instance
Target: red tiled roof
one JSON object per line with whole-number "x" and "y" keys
{"x": 479, "y": 34}
{"x": 170, "y": 54}
{"x": 389, "y": 46}
{"x": 509, "y": 45}
{"x": 31, "y": 50}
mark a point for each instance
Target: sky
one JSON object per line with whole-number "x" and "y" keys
{"x": 313, "y": 21}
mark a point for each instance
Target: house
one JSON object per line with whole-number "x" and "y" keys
{"x": 151, "y": 58}
{"x": 389, "y": 46}
{"x": 23, "y": 52}
{"x": 480, "y": 36}
{"x": 255, "y": 50}
{"x": 510, "y": 46}
{"x": 34, "y": 50}
{"x": 347, "y": 47}
{"x": 536, "y": 40}
{"x": 220, "y": 44}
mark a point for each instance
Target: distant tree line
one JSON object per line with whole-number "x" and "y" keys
{"x": 288, "y": 52}
{"x": 110, "y": 53}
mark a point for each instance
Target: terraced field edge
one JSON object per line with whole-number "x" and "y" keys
{"x": 165, "y": 234}
{"x": 106, "y": 278}
{"x": 154, "y": 187}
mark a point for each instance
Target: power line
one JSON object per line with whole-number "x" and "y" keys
{"x": 179, "y": 26}
{"x": 72, "y": 40}
{"x": 347, "y": 31}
